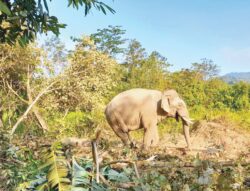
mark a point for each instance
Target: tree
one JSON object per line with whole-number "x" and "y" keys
{"x": 20, "y": 81}
{"x": 76, "y": 103}
{"x": 87, "y": 81}
{"x": 150, "y": 72}
{"x": 109, "y": 40}
{"x": 56, "y": 54}
{"x": 21, "y": 20}
{"x": 134, "y": 55}
{"x": 161, "y": 61}
{"x": 206, "y": 68}
{"x": 153, "y": 72}
{"x": 190, "y": 85}
{"x": 143, "y": 70}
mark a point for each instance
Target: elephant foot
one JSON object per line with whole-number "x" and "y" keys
{"x": 133, "y": 145}
{"x": 188, "y": 148}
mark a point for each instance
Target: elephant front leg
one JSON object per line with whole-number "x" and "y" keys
{"x": 151, "y": 136}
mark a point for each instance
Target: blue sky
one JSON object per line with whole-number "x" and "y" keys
{"x": 184, "y": 31}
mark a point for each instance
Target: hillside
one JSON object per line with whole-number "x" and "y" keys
{"x": 236, "y": 77}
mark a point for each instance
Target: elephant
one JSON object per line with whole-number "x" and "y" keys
{"x": 145, "y": 108}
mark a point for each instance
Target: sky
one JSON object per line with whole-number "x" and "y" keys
{"x": 184, "y": 31}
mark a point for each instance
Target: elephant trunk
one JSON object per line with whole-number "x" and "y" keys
{"x": 186, "y": 121}
{"x": 185, "y": 125}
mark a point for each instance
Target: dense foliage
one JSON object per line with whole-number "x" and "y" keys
{"x": 21, "y": 20}
{"x": 68, "y": 92}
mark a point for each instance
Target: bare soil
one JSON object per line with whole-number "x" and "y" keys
{"x": 218, "y": 140}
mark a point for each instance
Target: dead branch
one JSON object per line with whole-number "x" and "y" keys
{"x": 126, "y": 185}
{"x": 35, "y": 109}
{"x": 136, "y": 170}
{"x": 114, "y": 162}
{"x": 164, "y": 164}
{"x": 98, "y": 135}
{"x": 76, "y": 142}
{"x": 96, "y": 159}
{"x": 44, "y": 91}
{"x": 40, "y": 119}
{"x": 15, "y": 93}
{"x": 106, "y": 182}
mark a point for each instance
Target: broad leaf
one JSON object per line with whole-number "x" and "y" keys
{"x": 4, "y": 8}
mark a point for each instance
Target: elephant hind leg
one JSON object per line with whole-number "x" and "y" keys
{"x": 116, "y": 123}
{"x": 124, "y": 136}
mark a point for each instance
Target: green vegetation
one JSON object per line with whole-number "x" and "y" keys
{"x": 21, "y": 20}
{"x": 69, "y": 91}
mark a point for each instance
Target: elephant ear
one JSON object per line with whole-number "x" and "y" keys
{"x": 169, "y": 100}
{"x": 165, "y": 104}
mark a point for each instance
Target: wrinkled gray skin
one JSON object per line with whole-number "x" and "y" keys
{"x": 144, "y": 108}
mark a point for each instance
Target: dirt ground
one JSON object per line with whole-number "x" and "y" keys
{"x": 219, "y": 140}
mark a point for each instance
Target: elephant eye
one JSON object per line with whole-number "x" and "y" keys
{"x": 168, "y": 101}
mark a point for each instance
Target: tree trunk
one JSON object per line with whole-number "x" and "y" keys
{"x": 35, "y": 109}
{"x": 45, "y": 90}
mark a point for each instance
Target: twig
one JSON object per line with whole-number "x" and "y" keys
{"x": 96, "y": 160}
{"x": 95, "y": 154}
{"x": 136, "y": 170}
{"x": 106, "y": 182}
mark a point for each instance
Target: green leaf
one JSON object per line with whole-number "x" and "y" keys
{"x": 80, "y": 175}
{"x": 107, "y": 7}
{"x": 103, "y": 10}
{"x": 58, "y": 169}
{"x": 46, "y": 5}
{"x": 70, "y": 2}
{"x": 110, "y": 9}
{"x": 4, "y": 8}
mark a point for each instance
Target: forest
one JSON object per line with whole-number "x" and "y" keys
{"x": 53, "y": 100}
{"x": 54, "y": 135}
